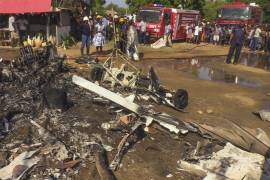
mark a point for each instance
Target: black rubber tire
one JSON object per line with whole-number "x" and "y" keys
{"x": 96, "y": 74}
{"x": 180, "y": 99}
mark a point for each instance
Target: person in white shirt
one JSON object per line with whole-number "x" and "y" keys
{"x": 197, "y": 32}
{"x": 256, "y": 38}
{"x": 216, "y": 37}
{"x": 143, "y": 32}
{"x": 168, "y": 34}
{"x": 12, "y": 26}
{"x": 11, "y": 21}
{"x": 99, "y": 38}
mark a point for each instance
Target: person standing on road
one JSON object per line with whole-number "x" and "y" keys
{"x": 250, "y": 36}
{"x": 132, "y": 42}
{"x": 168, "y": 34}
{"x": 143, "y": 31}
{"x": 268, "y": 38}
{"x": 197, "y": 32}
{"x": 86, "y": 35}
{"x": 216, "y": 36}
{"x": 256, "y": 38}
{"x": 123, "y": 34}
{"x": 189, "y": 33}
{"x": 236, "y": 42}
{"x": 12, "y": 27}
{"x": 22, "y": 27}
{"x": 105, "y": 23}
{"x": 99, "y": 38}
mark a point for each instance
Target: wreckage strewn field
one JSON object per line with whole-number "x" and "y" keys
{"x": 66, "y": 133}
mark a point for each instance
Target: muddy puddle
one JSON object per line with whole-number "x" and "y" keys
{"x": 211, "y": 74}
{"x": 200, "y": 68}
{"x": 261, "y": 61}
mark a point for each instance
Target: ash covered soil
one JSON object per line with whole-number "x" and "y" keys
{"x": 153, "y": 154}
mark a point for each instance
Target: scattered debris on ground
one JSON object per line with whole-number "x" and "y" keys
{"x": 228, "y": 163}
{"x": 263, "y": 114}
{"x": 58, "y": 125}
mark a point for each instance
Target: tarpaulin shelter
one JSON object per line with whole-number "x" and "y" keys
{"x": 25, "y": 6}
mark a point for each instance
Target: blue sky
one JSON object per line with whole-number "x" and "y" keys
{"x": 118, "y": 2}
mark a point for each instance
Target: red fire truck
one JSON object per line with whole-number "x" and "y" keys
{"x": 157, "y": 16}
{"x": 239, "y": 12}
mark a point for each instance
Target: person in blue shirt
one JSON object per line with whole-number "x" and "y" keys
{"x": 236, "y": 43}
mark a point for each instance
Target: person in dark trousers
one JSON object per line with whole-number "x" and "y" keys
{"x": 236, "y": 42}
{"x": 267, "y": 38}
{"x": 142, "y": 32}
{"x": 86, "y": 35}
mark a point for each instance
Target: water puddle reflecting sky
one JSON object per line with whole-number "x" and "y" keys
{"x": 261, "y": 61}
{"x": 201, "y": 70}
{"x": 206, "y": 73}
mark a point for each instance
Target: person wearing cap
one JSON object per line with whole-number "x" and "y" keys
{"x": 86, "y": 35}
{"x": 91, "y": 24}
{"x": 115, "y": 17}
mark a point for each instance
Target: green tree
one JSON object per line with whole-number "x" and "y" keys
{"x": 97, "y": 6}
{"x": 210, "y": 10}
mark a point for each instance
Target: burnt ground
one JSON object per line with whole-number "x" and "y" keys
{"x": 211, "y": 85}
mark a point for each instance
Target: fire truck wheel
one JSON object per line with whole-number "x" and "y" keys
{"x": 96, "y": 74}
{"x": 180, "y": 99}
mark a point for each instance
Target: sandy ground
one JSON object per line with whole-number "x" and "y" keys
{"x": 155, "y": 157}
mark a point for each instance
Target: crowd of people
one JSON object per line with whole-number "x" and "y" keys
{"x": 98, "y": 29}
{"x": 256, "y": 37}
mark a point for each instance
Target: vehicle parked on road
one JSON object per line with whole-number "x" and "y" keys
{"x": 238, "y": 12}
{"x": 157, "y": 16}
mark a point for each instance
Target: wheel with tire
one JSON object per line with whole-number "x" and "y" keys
{"x": 180, "y": 99}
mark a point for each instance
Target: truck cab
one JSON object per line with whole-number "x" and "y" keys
{"x": 238, "y": 12}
